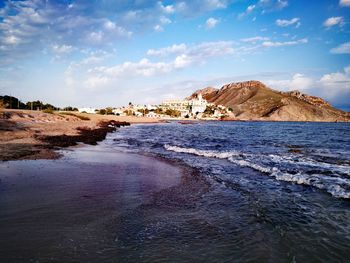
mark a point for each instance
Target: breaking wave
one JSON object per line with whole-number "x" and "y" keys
{"x": 334, "y": 184}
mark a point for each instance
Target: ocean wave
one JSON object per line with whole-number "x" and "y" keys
{"x": 309, "y": 162}
{"x": 336, "y": 186}
{"x": 205, "y": 153}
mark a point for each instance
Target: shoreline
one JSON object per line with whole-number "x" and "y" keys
{"x": 28, "y": 135}
{"x": 32, "y": 135}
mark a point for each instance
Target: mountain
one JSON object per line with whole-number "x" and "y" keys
{"x": 252, "y": 100}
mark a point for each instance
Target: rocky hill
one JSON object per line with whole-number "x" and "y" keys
{"x": 252, "y": 100}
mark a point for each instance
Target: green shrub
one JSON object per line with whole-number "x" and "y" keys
{"x": 83, "y": 118}
{"x": 173, "y": 113}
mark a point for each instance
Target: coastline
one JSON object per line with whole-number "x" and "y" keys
{"x": 28, "y": 134}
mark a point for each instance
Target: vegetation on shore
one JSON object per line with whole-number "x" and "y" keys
{"x": 83, "y": 118}
{"x": 86, "y": 135}
{"x": 10, "y": 102}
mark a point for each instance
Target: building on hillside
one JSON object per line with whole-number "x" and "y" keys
{"x": 183, "y": 106}
{"x": 198, "y": 105}
{"x": 190, "y": 107}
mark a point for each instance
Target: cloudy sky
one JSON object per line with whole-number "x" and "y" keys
{"x": 109, "y": 52}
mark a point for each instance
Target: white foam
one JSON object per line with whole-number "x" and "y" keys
{"x": 309, "y": 162}
{"x": 333, "y": 185}
{"x": 254, "y": 166}
{"x": 205, "y": 153}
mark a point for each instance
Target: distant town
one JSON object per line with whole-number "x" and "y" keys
{"x": 189, "y": 108}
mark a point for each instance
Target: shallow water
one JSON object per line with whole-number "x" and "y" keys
{"x": 279, "y": 191}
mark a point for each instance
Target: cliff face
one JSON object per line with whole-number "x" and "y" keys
{"x": 252, "y": 100}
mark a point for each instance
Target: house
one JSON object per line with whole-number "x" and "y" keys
{"x": 152, "y": 114}
{"x": 87, "y": 110}
{"x": 198, "y": 105}
{"x": 118, "y": 112}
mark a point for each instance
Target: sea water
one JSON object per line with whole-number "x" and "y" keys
{"x": 280, "y": 191}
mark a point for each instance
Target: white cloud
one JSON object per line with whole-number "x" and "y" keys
{"x": 250, "y": 9}
{"x": 333, "y": 21}
{"x": 195, "y": 7}
{"x": 95, "y": 37}
{"x": 265, "y": 6}
{"x": 301, "y": 82}
{"x": 216, "y": 4}
{"x": 144, "y": 68}
{"x": 254, "y": 39}
{"x": 337, "y": 78}
{"x": 284, "y": 23}
{"x": 185, "y": 57}
{"x": 164, "y": 20}
{"x": 286, "y": 43}
{"x": 174, "y": 49}
{"x": 62, "y": 49}
{"x": 341, "y": 49}
{"x": 211, "y": 49}
{"x": 297, "y": 82}
{"x": 344, "y": 3}
{"x": 336, "y": 87}
{"x": 333, "y": 87}
{"x": 168, "y": 9}
{"x": 211, "y": 22}
{"x": 158, "y": 28}
{"x": 272, "y": 5}
{"x": 109, "y": 25}
{"x": 11, "y": 40}
{"x": 183, "y": 61}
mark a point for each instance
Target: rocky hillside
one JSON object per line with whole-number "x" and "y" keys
{"x": 252, "y": 100}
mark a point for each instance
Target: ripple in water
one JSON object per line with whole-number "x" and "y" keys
{"x": 280, "y": 191}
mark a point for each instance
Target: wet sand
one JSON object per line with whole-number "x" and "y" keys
{"x": 85, "y": 206}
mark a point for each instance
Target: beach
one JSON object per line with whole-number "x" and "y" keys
{"x": 23, "y": 132}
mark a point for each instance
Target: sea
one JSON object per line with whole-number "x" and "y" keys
{"x": 279, "y": 191}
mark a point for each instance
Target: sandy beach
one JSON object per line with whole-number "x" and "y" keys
{"x": 23, "y": 132}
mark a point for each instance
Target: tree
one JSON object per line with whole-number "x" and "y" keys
{"x": 209, "y": 110}
{"x": 128, "y": 113}
{"x": 109, "y": 111}
{"x": 143, "y": 111}
{"x": 10, "y": 102}
{"x": 102, "y": 112}
{"x": 159, "y": 111}
{"x": 70, "y": 108}
{"x": 173, "y": 113}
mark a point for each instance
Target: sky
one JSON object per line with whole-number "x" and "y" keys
{"x": 90, "y": 53}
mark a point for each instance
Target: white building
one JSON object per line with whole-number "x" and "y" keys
{"x": 187, "y": 107}
{"x": 118, "y": 112}
{"x": 198, "y": 105}
{"x": 87, "y": 110}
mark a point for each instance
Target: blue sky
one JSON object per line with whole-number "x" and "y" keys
{"x": 107, "y": 53}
